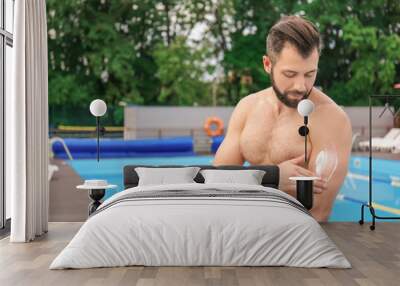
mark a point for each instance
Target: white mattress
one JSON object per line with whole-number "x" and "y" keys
{"x": 183, "y": 231}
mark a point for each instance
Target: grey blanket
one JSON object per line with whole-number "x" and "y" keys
{"x": 205, "y": 193}
{"x": 201, "y": 224}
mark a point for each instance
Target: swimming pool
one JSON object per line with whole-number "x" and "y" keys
{"x": 386, "y": 181}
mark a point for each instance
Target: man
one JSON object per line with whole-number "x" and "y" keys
{"x": 263, "y": 128}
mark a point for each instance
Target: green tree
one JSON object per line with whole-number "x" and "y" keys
{"x": 180, "y": 72}
{"x": 105, "y": 49}
{"x": 143, "y": 51}
{"x": 252, "y": 20}
{"x": 361, "y": 44}
{"x": 91, "y": 54}
{"x": 360, "y": 39}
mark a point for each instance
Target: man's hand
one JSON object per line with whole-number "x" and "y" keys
{"x": 293, "y": 168}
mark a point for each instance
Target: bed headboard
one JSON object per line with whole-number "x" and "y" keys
{"x": 270, "y": 179}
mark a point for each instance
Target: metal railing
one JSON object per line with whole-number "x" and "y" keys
{"x": 61, "y": 140}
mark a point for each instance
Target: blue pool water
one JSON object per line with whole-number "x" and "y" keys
{"x": 347, "y": 204}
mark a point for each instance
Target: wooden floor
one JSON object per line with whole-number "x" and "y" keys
{"x": 374, "y": 255}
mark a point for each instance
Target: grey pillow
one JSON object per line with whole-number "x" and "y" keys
{"x": 249, "y": 177}
{"x": 162, "y": 176}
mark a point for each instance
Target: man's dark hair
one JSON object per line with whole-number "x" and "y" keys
{"x": 299, "y": 32}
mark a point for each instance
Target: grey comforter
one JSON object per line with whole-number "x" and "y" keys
{"x": 201, "y": 224}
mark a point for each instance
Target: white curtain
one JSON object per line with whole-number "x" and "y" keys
{"x": 27, "y": 124}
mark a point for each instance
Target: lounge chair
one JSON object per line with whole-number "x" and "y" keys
{"x": 396, "y": 148}
{"x": 389, "y": 145}
{"x": 379, "y": 142}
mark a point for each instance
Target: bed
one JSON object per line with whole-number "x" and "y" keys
{"x": 201, "y": 224}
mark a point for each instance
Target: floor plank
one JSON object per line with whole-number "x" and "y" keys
{"x": 374, "y": 255}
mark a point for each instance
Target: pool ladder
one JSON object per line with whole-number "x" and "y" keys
{"x": 59, "y": 139}
{"x": 201, "y": 143}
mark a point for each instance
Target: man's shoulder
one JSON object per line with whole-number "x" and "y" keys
{"x": 254, "y": 99}
{"x": 247, "y": 106}
{"x": 329, "y": 113}
{"x": 251, "y": 98}
{"x": 325, "y": 106}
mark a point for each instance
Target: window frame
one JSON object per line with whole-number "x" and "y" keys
{"x": 6, "y": 39}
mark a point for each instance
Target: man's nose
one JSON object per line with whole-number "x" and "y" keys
{"x": 300, "y": 85}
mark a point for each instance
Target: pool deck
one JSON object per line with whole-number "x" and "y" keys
{"x": 66, "y": 203}
{"x": 374, "y": 255}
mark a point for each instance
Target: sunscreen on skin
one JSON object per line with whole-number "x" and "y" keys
{"x": 326, "y": 163}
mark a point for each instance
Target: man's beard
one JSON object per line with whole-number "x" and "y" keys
{"x": 284, "y": 96}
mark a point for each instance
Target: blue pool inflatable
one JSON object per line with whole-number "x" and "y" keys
{"x": 215, "y": 143}
{"x": 119, "y": 148}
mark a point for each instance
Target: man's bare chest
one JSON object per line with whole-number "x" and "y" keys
{"x": 271, "y": 140}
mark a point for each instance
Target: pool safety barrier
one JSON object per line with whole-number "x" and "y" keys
{"x": 119, "y": 148}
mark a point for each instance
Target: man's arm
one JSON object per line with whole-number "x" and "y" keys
{"x": 228, "y": 152}
{"x": 334, "y": 135}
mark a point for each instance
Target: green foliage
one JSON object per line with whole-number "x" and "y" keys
{"x": 180, "y": 73}
{"x": 90, "y": 57}
{"x": 104, "y": 49}
{"x": 143, "y": 51}
{"x": 360, "y": 38}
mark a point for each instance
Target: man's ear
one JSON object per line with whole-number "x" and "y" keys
{"x": 267, "y": 64}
